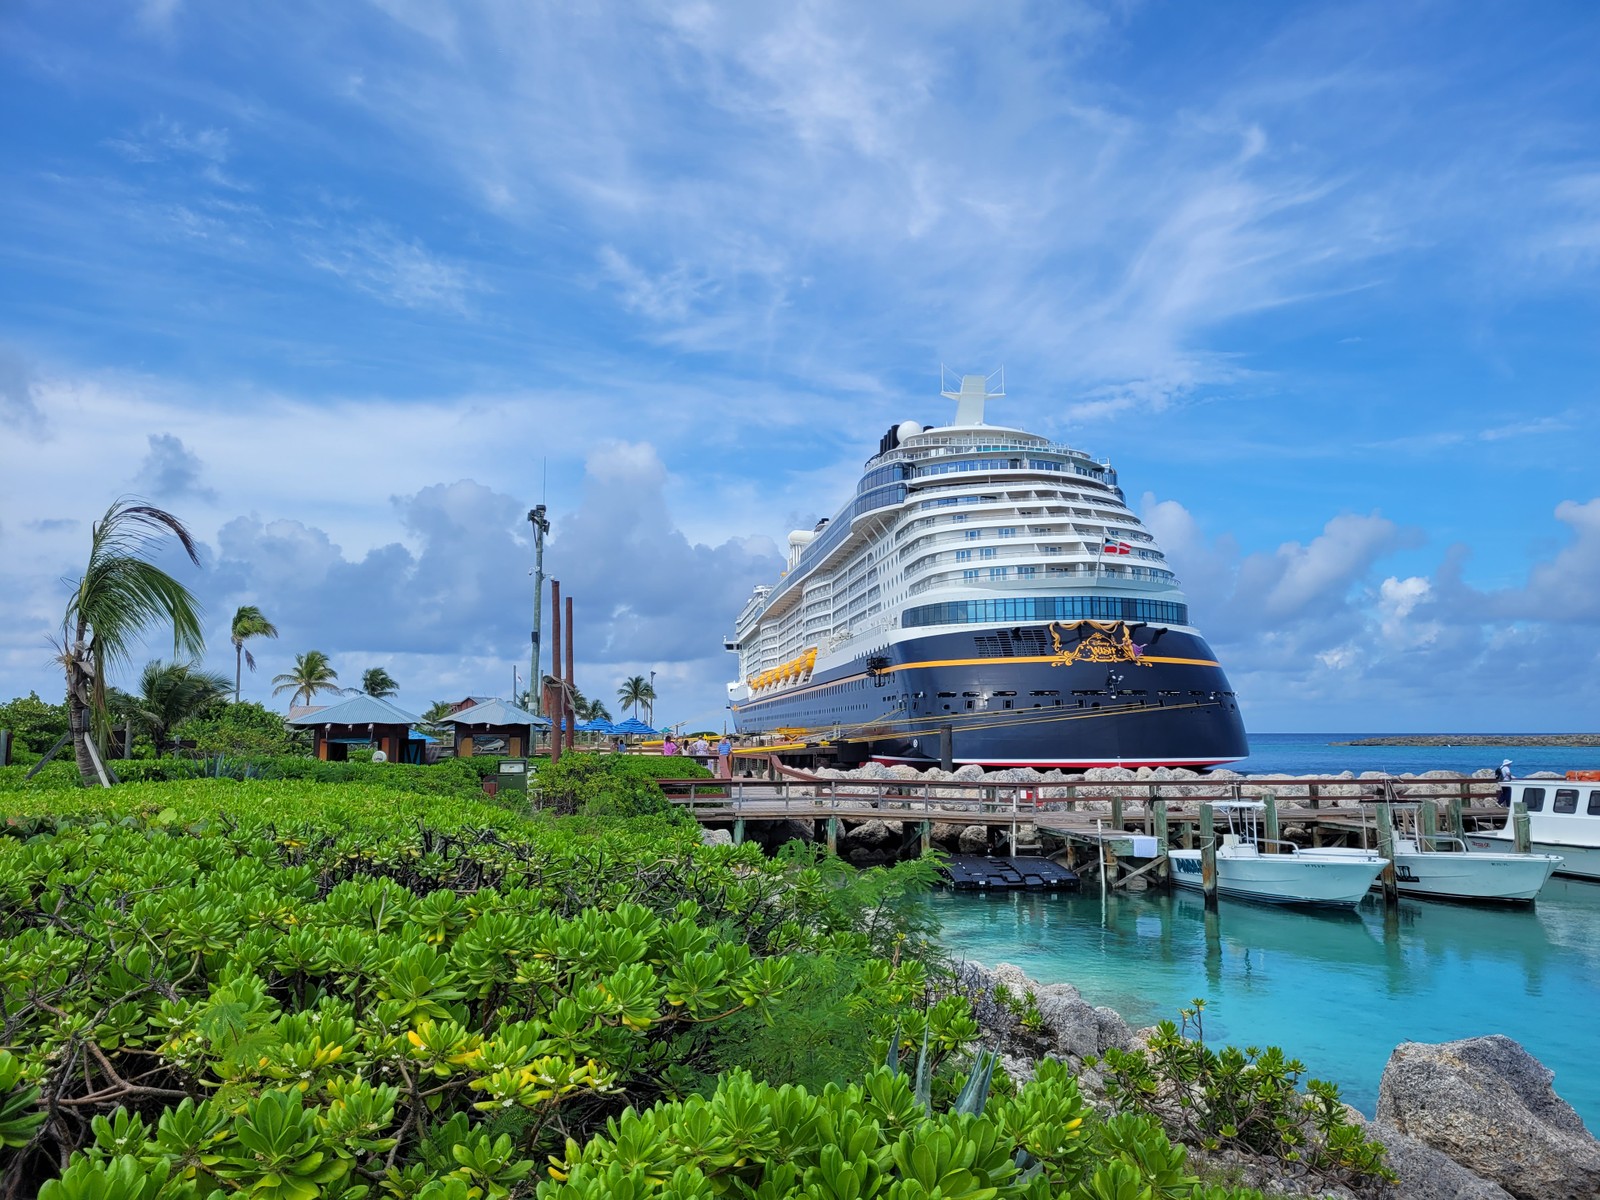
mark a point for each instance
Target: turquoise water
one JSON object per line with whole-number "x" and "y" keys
{"x": 1314, "y": 754}
{"x": 1338, "y": 991}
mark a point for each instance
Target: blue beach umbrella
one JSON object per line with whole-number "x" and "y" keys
{"x": 598, "y": 725}
{"x": 633, "y": 727}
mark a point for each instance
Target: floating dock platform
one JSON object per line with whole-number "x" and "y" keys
{"x": 978, "y": 873}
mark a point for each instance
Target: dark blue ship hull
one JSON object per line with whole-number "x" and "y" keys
{"x": 1069, "y": 695}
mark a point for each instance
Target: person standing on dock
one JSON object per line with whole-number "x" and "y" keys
{"x": 725, "y": 758}
{"x": 668, "y": 746}
{"x": 1504, "y": 771}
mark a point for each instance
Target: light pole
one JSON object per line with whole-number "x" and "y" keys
{"x": 650, "y": 704}
{"x": 541, "y": 526}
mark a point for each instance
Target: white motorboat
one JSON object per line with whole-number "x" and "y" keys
{"x": 1253, "y": 867}
{"x": 1433, "y": 866}
{"x": 1563, "y": 819}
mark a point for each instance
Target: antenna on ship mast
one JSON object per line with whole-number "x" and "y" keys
{"x": 973, "y": 392}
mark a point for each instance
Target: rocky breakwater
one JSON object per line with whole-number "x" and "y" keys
{"x": 1469, "y": 1120}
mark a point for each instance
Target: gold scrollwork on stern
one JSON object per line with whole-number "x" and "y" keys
{"x": 1107, "y": 643}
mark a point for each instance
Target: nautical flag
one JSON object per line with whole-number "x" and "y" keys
{"x": 1113, "y": 546}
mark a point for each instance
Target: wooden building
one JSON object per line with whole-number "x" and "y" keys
{"x": 361, "y": 721}
{"x": 495, "y": 727}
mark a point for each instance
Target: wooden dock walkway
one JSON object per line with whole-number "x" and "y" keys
{"x": 1126, "y": 814}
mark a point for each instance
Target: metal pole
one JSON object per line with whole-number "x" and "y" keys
{"x": 571, "y": 688}
{"x": 650, "y": 704}
{"x": 541, "y": 526}
{"x": 555, "y": 670}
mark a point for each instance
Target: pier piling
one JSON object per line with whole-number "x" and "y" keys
{"x": 1270, "y": 821}
{"x": 1208, "y": 856}
{"x": 1458, "y": 823}
{"x": 1427, "y": 825}
{"x": 1391, "y": 885}
{"x": 1519, "y": 828}
{"x": 947, "y": 754}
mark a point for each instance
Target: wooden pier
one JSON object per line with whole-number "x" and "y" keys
{"x": 1123, "y": 838}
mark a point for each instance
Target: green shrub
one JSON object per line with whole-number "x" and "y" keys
{"x": 411, "y": 966}
{"x": 613, "y": 785}
{"x": 1247, "y": 1099}
{"x": 34, "y": 724}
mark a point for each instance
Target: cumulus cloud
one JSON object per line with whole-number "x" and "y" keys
{"x": 451, "y": 598}
{"x": 1321, "y": 628}
{"x": 170, "y": 470}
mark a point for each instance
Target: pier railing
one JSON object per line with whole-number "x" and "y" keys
{"x": 1123, "y": 801}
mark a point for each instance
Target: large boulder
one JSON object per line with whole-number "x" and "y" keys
{"x": 1425, "y": 1173}
{"x": 876, "y": 835}
{"x": 1488, "y": 1104}
{"x": 1070, "y": 1027}
{"x": 715, "y": 837}
{"x": 772, "y": 834}
{"x": 974, "y": 839}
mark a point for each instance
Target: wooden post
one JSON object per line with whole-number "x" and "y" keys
{"x": 833, "y": 835}
{"x": 1428, "y": 825}
{"x": 1208, "y": 856}
{"x": 1270, "y": 821}
{"x": 572, "y": 717}
{"x": 556, "y": 708}
{"x": 1457, "y": 819}
{"x": 1519, "y": 828}
{"x": 1391, "y": 887}
{"x": 1116, "y": 813}
{"x": 927, "y": 836}
{"x": 1159, "y": 815}
{"x": 738, "y": 831}
{"x": 1311, "y": 797}
{"x": 947, "y": 754}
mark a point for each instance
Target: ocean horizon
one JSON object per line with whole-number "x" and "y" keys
{"x": 1319, "y": 754}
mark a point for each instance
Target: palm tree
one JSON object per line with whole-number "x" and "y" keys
{"x": 247, "y": 623}
{"x": 312, "y": 673}
{"x": 117, "y": 598}
{"x": 171, "y": 693}
{"x": 375, "y": 681}
{"x": 591, "y": 710}
{"x": 635, "y": 691}
{"x": 434, "y": 717}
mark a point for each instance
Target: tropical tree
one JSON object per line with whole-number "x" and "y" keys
{"x": 375, "y": 681}
{"x": 589, "y": 710}
{"x": 172, "y": 692}
{"x": 635, "y": 691}
{"x": 118, "y": 597}
{"x": 247, "y": 623}
{"x": 312, "y": 673}
{"x": 436, "y": 712}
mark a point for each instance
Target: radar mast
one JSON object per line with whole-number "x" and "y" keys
{"x": 974, "y": 390}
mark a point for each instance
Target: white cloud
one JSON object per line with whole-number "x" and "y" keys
{"x": 397, "y": 270}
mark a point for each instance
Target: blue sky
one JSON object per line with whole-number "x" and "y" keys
{"x": 348, "y": 288}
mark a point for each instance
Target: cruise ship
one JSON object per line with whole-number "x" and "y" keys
{"x": 986, "y": 596}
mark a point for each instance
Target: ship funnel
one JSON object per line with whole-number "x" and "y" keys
{"x": 974, "y": 391}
